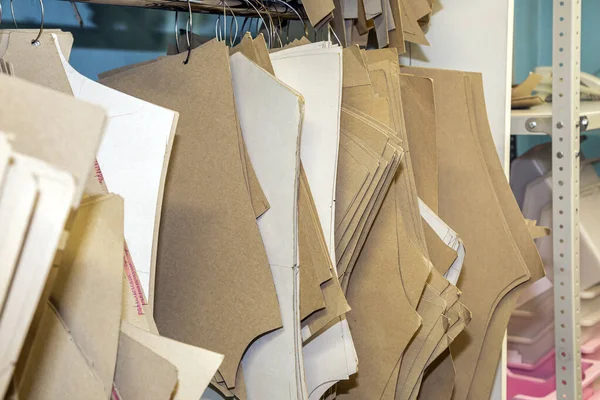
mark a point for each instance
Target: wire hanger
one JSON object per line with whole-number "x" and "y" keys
{"x": 12, "y": 12}
{"x": 295, "y": 12}
{"x": 334, "y": 35}
{"x": 36, "y": 41}
{"x": 177, "y": 32}
{"x": 260, "y": 19}
{"x": 188, "y": 32}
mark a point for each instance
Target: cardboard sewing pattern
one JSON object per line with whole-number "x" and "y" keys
{"x": 329, "y": 286}
{"x": 208, "y": 234}
{"x": 66, "y": 132}
{"x": 56, "y": 191}
{"x": 315, "y": 71}
{"x": 57, "y": 368}
{"x": 195, "y": 366}
{"x": 37, "y": 64}
{"x": 259, "y": 202}
{"x": 88, "y": 289}
{"x": 482, "y": 384}
{"x": 317, "y": 76}
{"x": 17, "y": 203}
{"x": 133, "y": 156}
{"x": 419, "y": 107}
{"x": 318, "y": 11}
{"x": 141, "y": 373}
{"x": 493, "y": 264}
{"x": 449, "y": 238}
{"x": 316, "y": 268}
{"x": 380, "y": 339}
{"x": 273, "y": 365}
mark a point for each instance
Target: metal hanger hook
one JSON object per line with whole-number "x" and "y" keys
{"x": 12, "y": 13}
{"x": 188, "y": 32}
{"x": 36, "y": 41}
{"x": 177, "y": 31}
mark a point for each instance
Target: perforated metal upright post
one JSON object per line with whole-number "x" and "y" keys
{"x": 565, "y": 197}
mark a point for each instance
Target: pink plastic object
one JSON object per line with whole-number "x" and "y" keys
{"x": 516, "y": 362}
{"x": 592, "y": 348}
{"x": 540, "y": 384}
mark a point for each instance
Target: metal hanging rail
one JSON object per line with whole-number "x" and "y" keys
{"x": 247, "y": 8}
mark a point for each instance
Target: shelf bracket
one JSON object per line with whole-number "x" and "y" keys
{"x": 539, "y": 125}
{"x": 544, "y": 124}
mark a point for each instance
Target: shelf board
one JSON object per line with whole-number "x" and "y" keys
{"x": 519, "y": 118}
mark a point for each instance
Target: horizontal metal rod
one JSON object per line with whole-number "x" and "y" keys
{"x": 174, "y": 5}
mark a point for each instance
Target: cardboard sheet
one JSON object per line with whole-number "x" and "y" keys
{"x": 17, "y": 204}
{"x": 66, "y": 132}
{"x": 326, "y": 358}
{"x": 411, "y": 28}
{"x": 335, "y": 307}
{"x": 419, "y": 115}
{"x": 357, "y": 167}
{"x": 195, "y": 366}
{"x": 510, "y": 208}
{"x": 217, "y": 224}
{"x": 361, "y": 25}
{"x": 260, "y": 203}
{"x": 483, "y": 381}
{"x": 381, "y": 142}
{"x": 273, "y": 365}
{"x": 438, "y": 382}
{"x": 381, "y": 25}
{"x": 419, "y": 8}
{"x": 133, "y": 156}
{"x": 141, "y": 373}
{"x": 355, "y": 72}
{"x": 388, "y": 85}
{"x": 37, "y": 64}
{"x": 130, "y": 311}
{"x": 56, "y": 367}
{"x": 372, "y": 8}
{"x": 431, "y": 309}
{"x": 317, "y": 76}
{"x": 450, "y": 263}
{"x": 373, "y": 149}
{"x": 350, "y": 9}
{"x": 88, "y": 288}
{"x": 65, "y": 38}
{"x": 315, "y": 264}
{"x": 493, "y": 264}
{"x": 380, "y": 339}
{"x": 56, "y": 193}
{"x": 318, "y": 11}
{"x": 397, "y": 35}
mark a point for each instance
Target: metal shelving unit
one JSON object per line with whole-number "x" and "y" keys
{"x": 563, "y": 121}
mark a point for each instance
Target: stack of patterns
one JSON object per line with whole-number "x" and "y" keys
{"x": 531, "y": 327}
{"x": 325, "y": 223}
{"x": 384, "y": 22}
